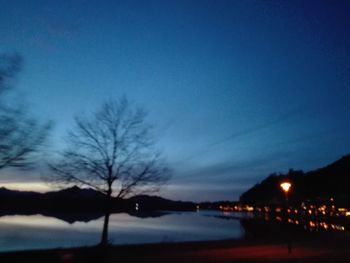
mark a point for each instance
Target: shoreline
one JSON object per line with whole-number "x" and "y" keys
{"x": 315, "y": 249}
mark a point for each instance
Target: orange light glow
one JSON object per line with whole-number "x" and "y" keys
{"x": 278, "y": 210}
{"x": 286, "y": 186}
{"x": 312, "y": 224}
{"x": 250, "y": 208}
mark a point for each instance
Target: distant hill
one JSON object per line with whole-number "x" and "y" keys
{"x": 148, "y": 203}
{"x": 332, "y": 181}
{"x": 76, "y": 192}
{"x": 75, "y": 200}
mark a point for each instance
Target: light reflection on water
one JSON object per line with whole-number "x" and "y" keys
{"x": 33, "y": 221}
{"x": 39, "y": 232}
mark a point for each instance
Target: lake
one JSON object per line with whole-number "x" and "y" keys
{"x": 23, "y": 232}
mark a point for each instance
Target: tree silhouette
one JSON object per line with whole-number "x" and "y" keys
{"x": 20, "y": 135}
{"x": 113, "y": 152}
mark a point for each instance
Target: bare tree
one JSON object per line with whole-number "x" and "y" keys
{"x": 112, "y": 152}
{"x": 20, "y": 135}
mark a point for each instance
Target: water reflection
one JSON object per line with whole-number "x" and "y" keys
{"x": 71, "y": 218}
{"x": 310, "y": 224}
{"x": 20, "y": 232}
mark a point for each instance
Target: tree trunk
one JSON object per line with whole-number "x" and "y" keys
{"x": 104, "y": 237}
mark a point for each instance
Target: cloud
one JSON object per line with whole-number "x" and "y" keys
{"x": 233, "y": 171}
{"x": 37, "y": 186}
{"x": 14, "y": 175}
{"x": 247, "y": 131}
{"x": 51, "y": 31}
{"x": 202, "y": 192}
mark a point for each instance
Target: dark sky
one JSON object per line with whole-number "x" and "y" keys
{"x": 236, "y": 90}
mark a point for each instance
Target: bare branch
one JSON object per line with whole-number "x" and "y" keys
{"x": 20, "y": 135}
{"x": 112, "y": 151}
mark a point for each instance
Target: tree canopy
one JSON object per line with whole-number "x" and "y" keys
{"x": 111, "y": 151}
{"x": 21, "y": 135}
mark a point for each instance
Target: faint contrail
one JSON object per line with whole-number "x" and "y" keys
{"x": 244, "y": 132}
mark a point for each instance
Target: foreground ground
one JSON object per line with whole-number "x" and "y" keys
{"x": 317, "y": 248}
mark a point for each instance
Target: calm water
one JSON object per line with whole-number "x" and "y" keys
{"x": 38, "y": 231}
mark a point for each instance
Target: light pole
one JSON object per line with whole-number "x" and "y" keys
{"x": 286, "y": 186}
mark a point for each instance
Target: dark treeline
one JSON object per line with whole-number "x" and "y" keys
{"x": 79, "y": 200}
{"x": 217, "y": 205}
{"x": 331, "y": 181}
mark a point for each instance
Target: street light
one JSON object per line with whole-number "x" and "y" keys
{"x": 286, "y": 187}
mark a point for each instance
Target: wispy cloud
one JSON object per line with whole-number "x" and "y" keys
{"x": 233, "y": 171}
{"x": 52, "y": 31}
{"x": 202, "y": 192}
{"x": 283, "y": 118}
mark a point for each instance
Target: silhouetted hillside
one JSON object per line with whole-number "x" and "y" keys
{"x": 6, "y": 193}
{"x": 216, "y": 205}
{"x": 76, "y": 192}
{"x": 333, "y": 179}
{"x": 330, "y": 181}
{"x": 147, "y": 203}
{"x": 72, "y": 199}
{"x": 80, "y": 200}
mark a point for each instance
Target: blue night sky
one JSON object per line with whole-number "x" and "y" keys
{"x": 236, "y": 90}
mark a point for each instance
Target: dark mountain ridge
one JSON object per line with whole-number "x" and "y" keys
{"x": 75, "y": 200}
{"x": 331, "y": 181}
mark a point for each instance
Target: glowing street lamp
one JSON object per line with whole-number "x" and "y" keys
{"x": 286, "y": 187}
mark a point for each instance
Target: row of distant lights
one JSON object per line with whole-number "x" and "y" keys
{"x": 314, "y": 225}
{"x": 266, "y": 209}
{"x": 286, "y": 186}
{"x": 311, "y": 225}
